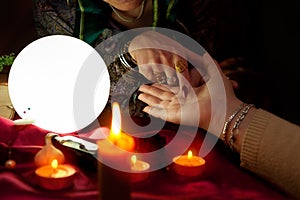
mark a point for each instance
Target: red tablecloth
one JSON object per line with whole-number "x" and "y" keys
{"x": 222, "y": 178}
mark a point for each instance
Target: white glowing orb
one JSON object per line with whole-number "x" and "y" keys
{"x": 60, "y": 82}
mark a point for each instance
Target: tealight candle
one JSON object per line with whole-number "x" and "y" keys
{"x": 188, "y": 165}
{"x": 55, "y": 177}
{"x": 139, "y": 169}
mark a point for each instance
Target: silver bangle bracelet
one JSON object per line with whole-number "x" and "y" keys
{"x": 124, "y": 51}
{"x": 227, "y": 123}
{"x": 235, "y": 128}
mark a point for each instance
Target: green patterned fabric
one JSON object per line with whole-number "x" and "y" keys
{"x": 90, "y": 21}
{"x": 197, "y": 18}
{"x": 93, "y": 15}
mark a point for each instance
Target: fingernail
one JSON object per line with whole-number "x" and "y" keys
{"x": 142, "y": 87}
{"x": 139, "y": 96}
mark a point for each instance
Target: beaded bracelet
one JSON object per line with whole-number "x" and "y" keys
{"x": 235, "y": 128}
{"x": 229, "y": 120}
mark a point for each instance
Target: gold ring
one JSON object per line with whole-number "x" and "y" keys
{"x": 180, "y": 66}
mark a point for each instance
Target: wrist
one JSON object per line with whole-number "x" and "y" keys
{"x": 232, "y": 105}
{"x": 239, "y": 115}
{"x": 229, "y": 121}
{"x": 238, "y": 140}
{"x": 126, "y": 58}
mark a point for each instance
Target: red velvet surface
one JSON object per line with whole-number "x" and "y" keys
{"x": 221, "y": 179}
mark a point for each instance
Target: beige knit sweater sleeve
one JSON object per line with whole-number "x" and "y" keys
{"x": 271, "y": 149}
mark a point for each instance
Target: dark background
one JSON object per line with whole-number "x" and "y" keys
{"x": 265, "y": 30}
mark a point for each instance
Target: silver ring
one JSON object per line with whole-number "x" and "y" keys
{"x": 160, "y": 77}
{"x": 172, "y": 80}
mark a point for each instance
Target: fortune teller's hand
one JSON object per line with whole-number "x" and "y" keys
{"x": 160, "y": 59}
{"x": 193, "y": 107}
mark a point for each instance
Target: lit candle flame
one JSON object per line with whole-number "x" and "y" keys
{"x": 54, "y": 164}
{"x": 190, "y": 155}
{"x": 115, "y": 132}
{"x": 116, "y": 136}
{"x": 133, "y": 160}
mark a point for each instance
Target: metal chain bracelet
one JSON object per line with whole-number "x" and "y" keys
{"x": 227, "y": 123}
{"x": 235, "y": 128}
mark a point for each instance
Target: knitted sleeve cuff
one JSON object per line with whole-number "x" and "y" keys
{"x": 252, "y": 139}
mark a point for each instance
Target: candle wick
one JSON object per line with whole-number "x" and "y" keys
{"x": 189, "y": 160}
{"x": 115, "y": 142}
{"x": 54, "y": 172}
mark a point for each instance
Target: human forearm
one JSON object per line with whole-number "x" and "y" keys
{"x": 269, "y": 148}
